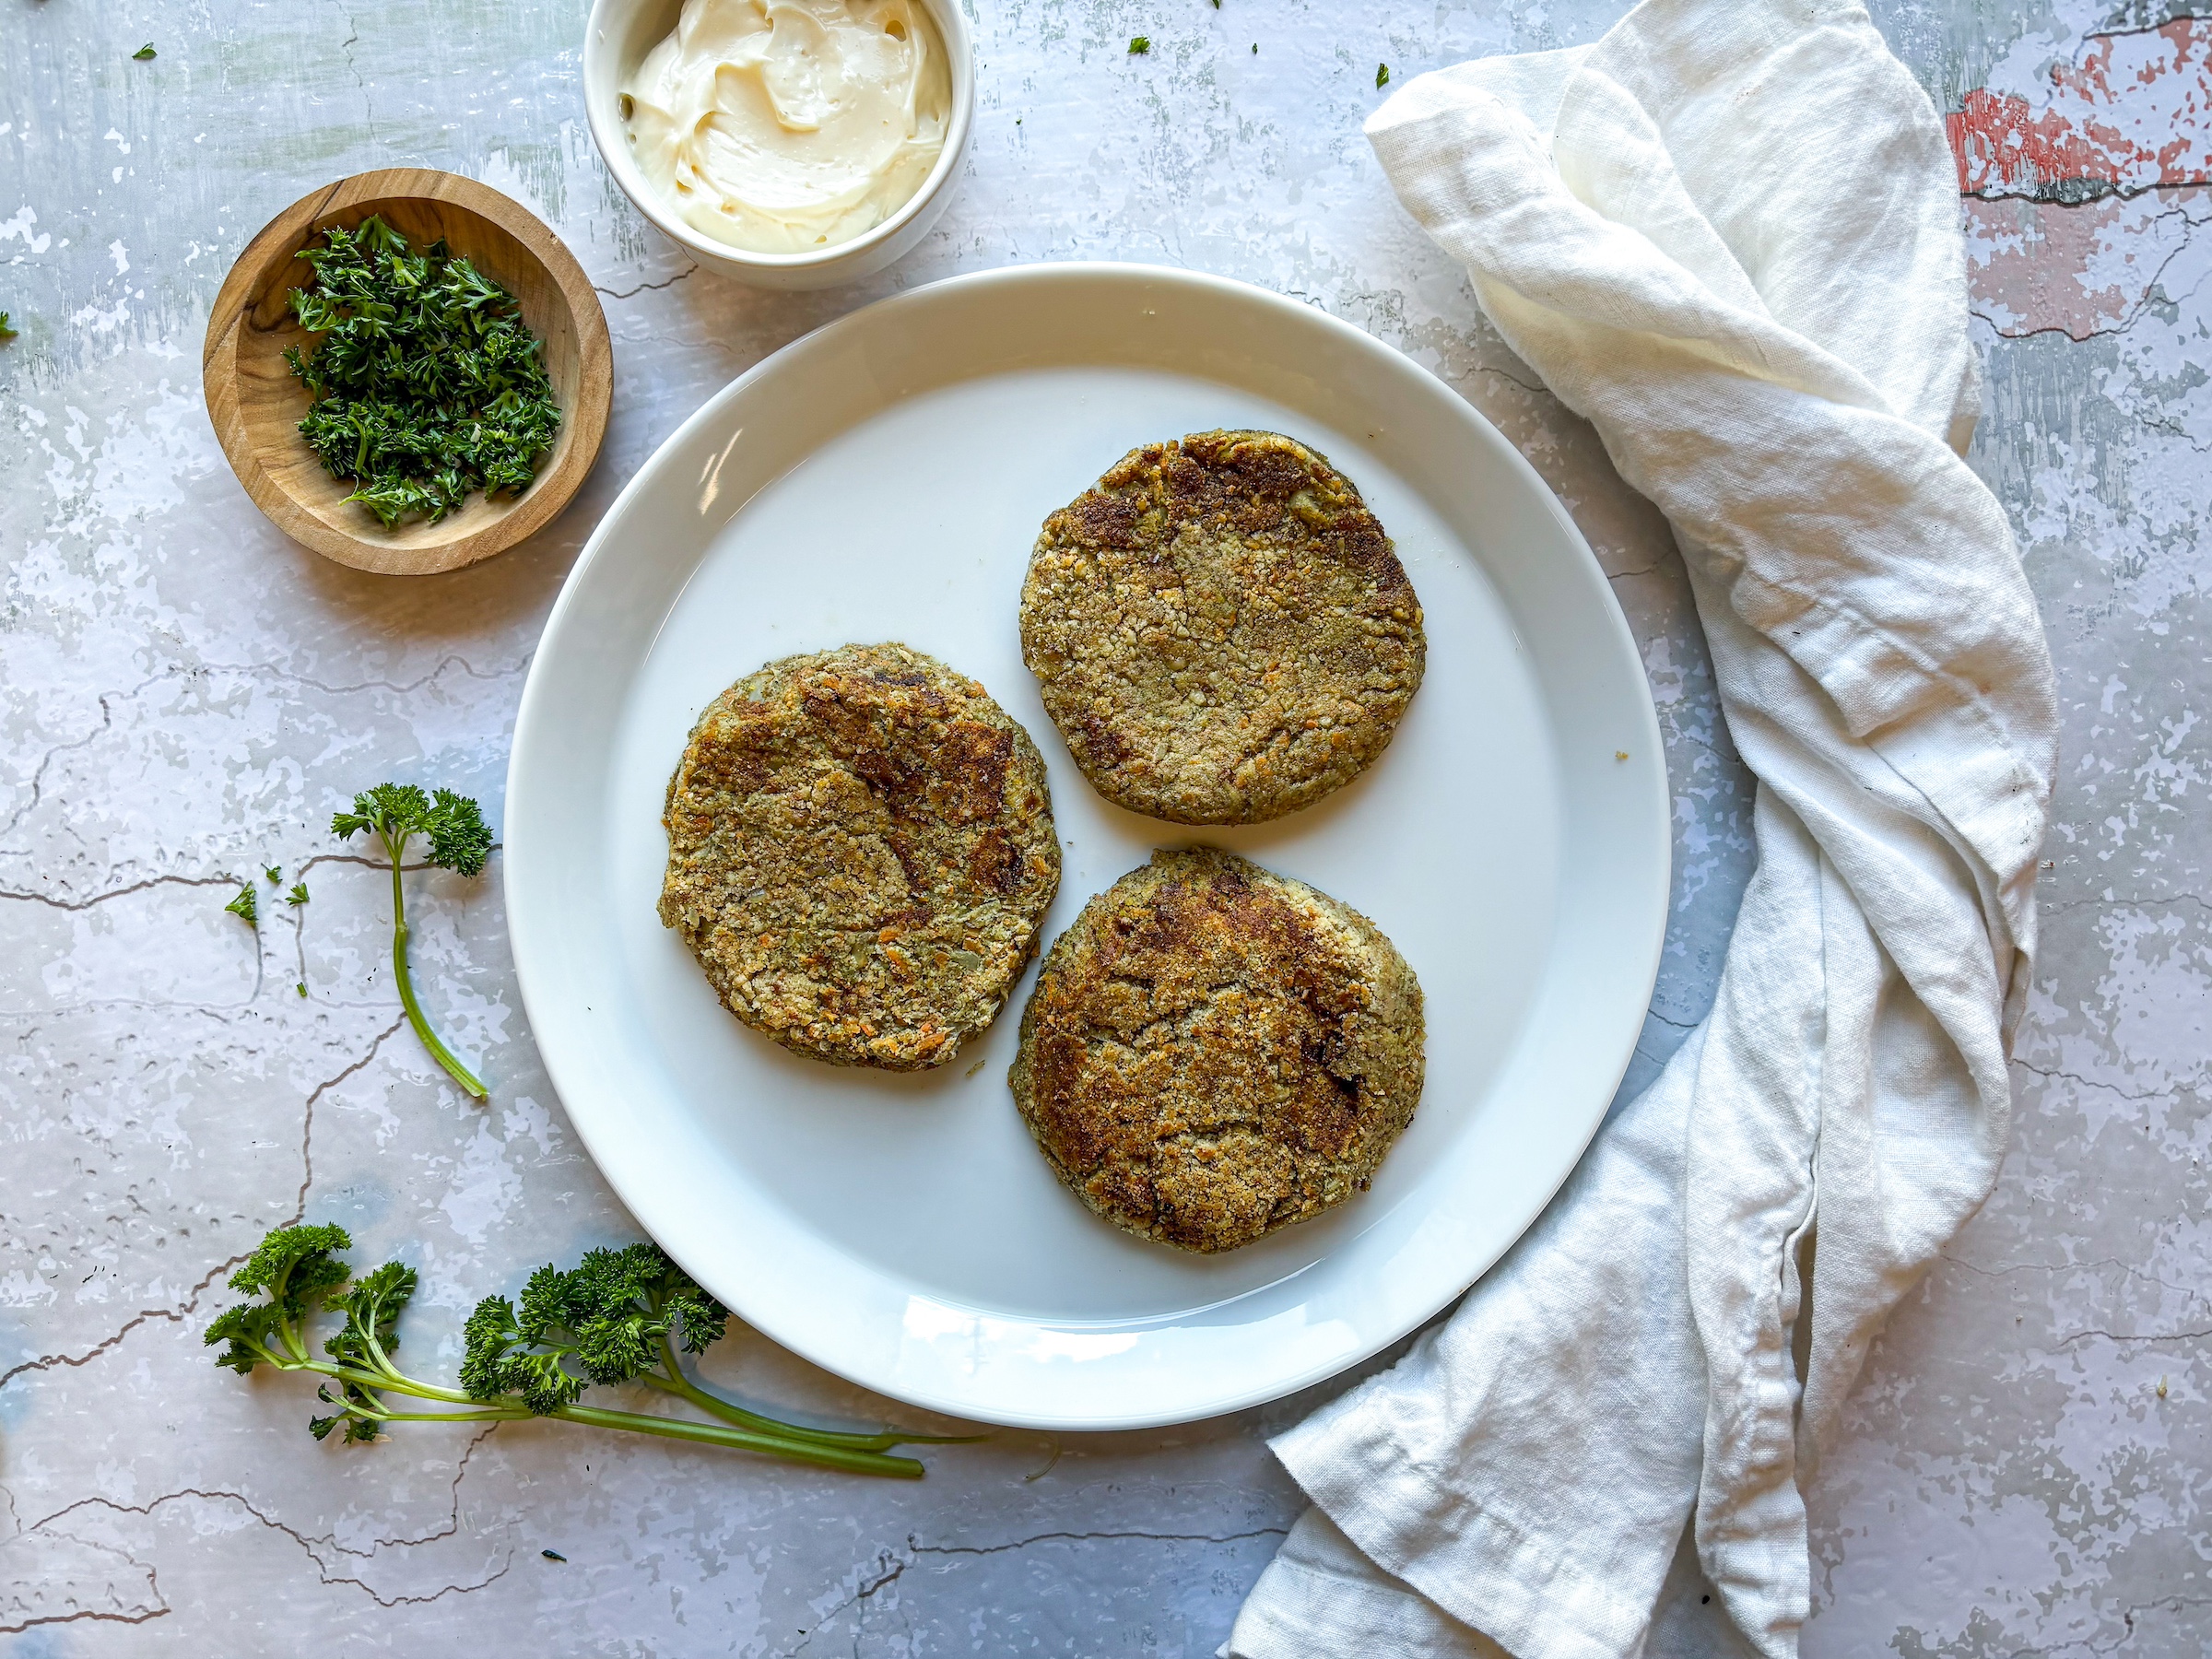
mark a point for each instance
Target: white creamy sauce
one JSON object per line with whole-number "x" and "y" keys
{"x": 781, "y": 127}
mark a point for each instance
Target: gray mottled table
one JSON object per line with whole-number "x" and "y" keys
{"x": 184, "y": 696}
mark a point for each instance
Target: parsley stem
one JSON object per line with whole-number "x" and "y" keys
{"x": 389, "y": 1381}
{"x": 677, "y": 1383}
{"x": 852, "y": 1459}
{"x": 439, "y": 1052}
{"x": 716, "y": 1434}
{"x": 490, "y": 1414}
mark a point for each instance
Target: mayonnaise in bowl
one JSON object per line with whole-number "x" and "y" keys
{"x": 785, "y": 126}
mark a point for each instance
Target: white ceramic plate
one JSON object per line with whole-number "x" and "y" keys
{"x": 884, "y": 478}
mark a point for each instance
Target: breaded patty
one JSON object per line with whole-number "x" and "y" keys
{"x": 860, "y": 849}
{"x": 1221, "y": 631}
{"x": 1214, "y": 1051}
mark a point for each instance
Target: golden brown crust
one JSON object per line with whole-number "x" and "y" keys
{"x": 860, "y": 851}
{"x": 1213, "y": 1051}
{"x": 1220, "y": 629}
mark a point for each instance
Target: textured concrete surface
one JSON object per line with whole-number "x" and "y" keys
{"x": 184, "y": 696}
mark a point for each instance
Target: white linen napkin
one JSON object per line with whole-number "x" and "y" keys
{"x": 1727, "y": 235}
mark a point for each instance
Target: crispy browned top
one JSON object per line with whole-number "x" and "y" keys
{"x": 1214, "y": 1051}
{"x": 1222, "y": 632}
{"x": 860, "y": 848}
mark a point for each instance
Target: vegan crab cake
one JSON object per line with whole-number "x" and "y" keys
{"x": 1221, "y": 631}
{"x": 860, "y": 851}
{"x": 1214, "y": 1052}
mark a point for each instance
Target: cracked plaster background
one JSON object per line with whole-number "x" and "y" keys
{"x": 184, "y": 697}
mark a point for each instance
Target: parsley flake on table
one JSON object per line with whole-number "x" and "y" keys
{"x": 1381, "y": 75}
{"x": 1139, "y": 45}
{"x": 426, "y": 382}
{"x": 146, "y": 53}
{"x": 6, "y": 332}
{"x": 246, "y": 906}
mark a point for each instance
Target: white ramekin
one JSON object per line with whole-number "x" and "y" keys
{"x": 617, "y": 39}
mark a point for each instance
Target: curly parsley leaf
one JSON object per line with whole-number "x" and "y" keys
{"x": 460, "y": 840}
{"x": 372, "y": 1306}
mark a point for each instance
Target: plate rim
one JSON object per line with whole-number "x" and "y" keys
{"x": 525, "y": 743}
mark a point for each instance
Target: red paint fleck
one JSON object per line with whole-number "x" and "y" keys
{"x": 2036, "y": 267}
{"x": 2133, "y": 113}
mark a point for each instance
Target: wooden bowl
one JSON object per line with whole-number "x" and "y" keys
{"x": 257, "y": 405}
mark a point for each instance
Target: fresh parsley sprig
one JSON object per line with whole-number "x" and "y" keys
{"x": 426, "y": 382}
{"x": 619, "y": 1316}
{"x": 459, "y": 840}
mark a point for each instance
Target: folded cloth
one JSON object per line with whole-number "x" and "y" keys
{"x": 1728, "y": 236}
